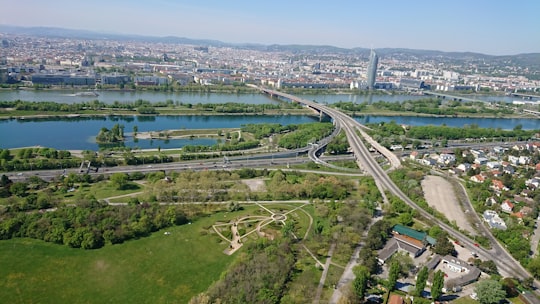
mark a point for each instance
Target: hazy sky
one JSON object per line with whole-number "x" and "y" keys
{"x": 487, "y": 26}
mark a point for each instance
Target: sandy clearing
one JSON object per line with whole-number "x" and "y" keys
{"x": 440, "y": 195}
{"x": 255, "y": 185}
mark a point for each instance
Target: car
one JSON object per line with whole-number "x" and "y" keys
{"x": 476, "y": 244}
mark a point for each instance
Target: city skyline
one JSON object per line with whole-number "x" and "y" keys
{"x": 494, "y": 28}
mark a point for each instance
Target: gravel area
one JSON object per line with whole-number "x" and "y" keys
{"x": 440, "y": 195}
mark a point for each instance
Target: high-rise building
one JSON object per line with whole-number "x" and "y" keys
{"x": 372, "y": 69}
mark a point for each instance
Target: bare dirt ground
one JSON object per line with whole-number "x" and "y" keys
{"x": 255, "y": 184}
{"x": 440, "y": 195}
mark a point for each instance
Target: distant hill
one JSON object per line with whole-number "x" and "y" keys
{"x": 531, "y": 60}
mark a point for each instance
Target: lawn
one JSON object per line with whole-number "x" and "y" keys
{"x": 156, "y": 269}
{"x": 105, "y": 189}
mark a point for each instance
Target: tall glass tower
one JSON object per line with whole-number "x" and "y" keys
{"x": 372, "y": 69}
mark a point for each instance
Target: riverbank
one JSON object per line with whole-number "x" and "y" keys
{"x": 30, "y": 116}
{"x": 9, "y": 113}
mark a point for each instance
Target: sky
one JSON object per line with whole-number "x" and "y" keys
{"x": 495, "y": 27}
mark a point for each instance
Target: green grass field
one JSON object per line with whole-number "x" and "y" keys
{"x": 157, "y": 269}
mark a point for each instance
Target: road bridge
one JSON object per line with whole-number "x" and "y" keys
{"x": 536, "y": 113}
{"x": 453, "y": 97}
{"x": 525, "y": 96}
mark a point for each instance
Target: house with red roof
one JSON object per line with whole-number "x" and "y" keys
{"x": 478, "y": 178}
{"x": 498, "y": 185}
{"x": 507, "y": 206}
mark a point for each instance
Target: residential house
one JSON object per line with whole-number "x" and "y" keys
{"x": 518, "y": 215}
{"x": 428, "y": 161}
{"x": 508, "y": 168}
{"x": 518, "y": 147}
{"x": 513, "y": 159}
{"x": 481, "y": 160}
{"x": 498, "y": 186}
{"x": 478, "y": 153}
{"x": 499, "y": 149}
{"x": 496, "y": 173}
{"x": 507, "y": 206}
{"x": 526, "y": 211}
{"x": 534, "y": 146}
{"x": 446, "y": 159}
{"x": 464, "y": 167}
{"x": 493, "y": 165}
{"x": 478, "y": 178}
{"x": 395, "y": 299}
{"x": 533, "y": 183}
{"x": 524, "y": 160}
{"x": 490, "y": 201}
{"x": 493, "y": 220}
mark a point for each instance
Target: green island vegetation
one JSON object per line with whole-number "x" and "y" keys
{"x": 143, "y": 107}
{"x": 234, "y": 88}
{"x": 392, "y": 133}
{"x": 429, "y": 106}
{"x": 114, "y": 135}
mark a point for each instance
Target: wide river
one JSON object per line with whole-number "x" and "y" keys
{"x": 194, "y": 98}
{"x": 79, "y": 133}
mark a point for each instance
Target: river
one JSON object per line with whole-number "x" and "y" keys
{"x": 110, "y": 97}
{"x": 79, "y": 133}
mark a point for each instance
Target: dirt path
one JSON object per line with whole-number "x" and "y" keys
{"x": 440, "y": 195}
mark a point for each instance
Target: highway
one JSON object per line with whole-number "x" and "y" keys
{"x": 356, "y": 136}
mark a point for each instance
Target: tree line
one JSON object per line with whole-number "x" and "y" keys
{"x": 144, "y": 106}
{"x": 89, "y": 224}
{"x": 36, "y": 159}
{"x": 432, "y": 106}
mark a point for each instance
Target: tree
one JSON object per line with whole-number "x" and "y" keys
{"x": 443, "y": 246}
{"x": 435, "y": 231}
{"x": 488, "y": 267}
{"x": 120, "y": 180}
{"x": 393, "y": 275}
{"x": 421, "y": 279}
{"x": 4, "y": 180}
{"x": 489, "y": 292}
{"x": 288, "y": 229}
{"x": 18, "y": 189}
{"x": 438, "y": 283}
{"x": 360, "y": 281}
